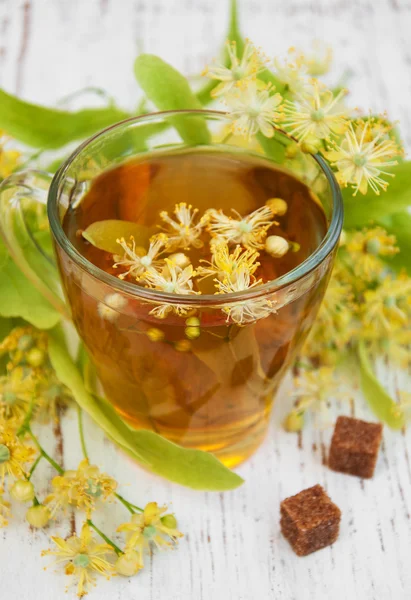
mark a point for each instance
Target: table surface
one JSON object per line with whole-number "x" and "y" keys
{"x": 232, "y": 549}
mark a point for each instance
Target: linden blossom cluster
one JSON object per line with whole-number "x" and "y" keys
{"x": 359, "y": 149}
{"x": 232, "y": 268}
{"x": 28, "y": 393}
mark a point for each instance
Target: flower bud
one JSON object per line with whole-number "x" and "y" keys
{"x": 155, "y": 335}
{"x": 278, "y": 206}
{"x": 294, "y": 422}
{"x": 128, "y": 564}
{"x": 373, "y": 246}
{"x": 38, "y": 516}
{"x": 192, "y": 330}
{"x": 276, "y": 246}
{"x": 4, "y": 453}
{"x": 182, "y": 346}
{"x": 179, "y": 259}
{"x": 22, "y": 491}
{"x": 310, "y": 147}
{"x": 292, "y": 150}
{"x": 36, "y": 357}
{"x": 25, "y": 342}
{"x": 169, "y": 521}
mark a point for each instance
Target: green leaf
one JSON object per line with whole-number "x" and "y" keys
{"x": 272, "y": 147}
{"x": 362, "y": 209}
{"x": 169, "y": 90}
{"x": 19, "y": 298}
{"x": 399, "y": 224}
{"x": 103, "y": 234}
{"x": 192, "y": 468}
{"x": 51, "y": 128}
{"x": 380, "y": 402}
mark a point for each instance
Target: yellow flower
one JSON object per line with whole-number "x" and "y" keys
{"x": 242, "y": 312}
{"x": 183, "y": 231}
{"x": 250, "y": 231}
{"x": 14, "y": 455}
{"x": 4, "y": 510}
{"x": 83, "y": 558}
{"x": 361, "y": 158}
{"x": 315, "y": 113}
{"x": 225, "y": 264}
{"x": 138, "y": 260}
{"x": 291, "y": 71}
{"x": 319, "y": 61}
{"x": 21, "y": 341}
{"x": 387, "y": 307}
{"x": 150, "y": 527}
{"x": 240, "y": 70}
{"x": 365, "y": 249}
{"x": 253, "y": 109}
{"x": 335, "y": 324}
{"x": 80, "y": 488}
{"x": 9, "y": 158}
{"x": 128, "y": 564}
{"x": 175, "y": 281}
{"x": 313, "y": 389}
{"x": 16, "y": 391}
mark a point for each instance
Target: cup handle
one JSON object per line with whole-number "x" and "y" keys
{"x": 23, "y": 197}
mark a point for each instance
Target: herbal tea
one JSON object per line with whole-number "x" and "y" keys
{"x": 202, "y": 372}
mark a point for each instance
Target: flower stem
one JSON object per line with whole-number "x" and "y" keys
{"x": 34, "y": 466}
{"x": 116, "y": 549}
{"x": 131, "y": 507}
{"x": 44, "y": 453}
{"x": 81, "y": 432}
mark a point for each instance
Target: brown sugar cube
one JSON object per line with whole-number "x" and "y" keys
{"x": 354, "y": 447}
{"x": 310, "y": 520}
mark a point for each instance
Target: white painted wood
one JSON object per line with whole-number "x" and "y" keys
{"x": 233, "y": 549}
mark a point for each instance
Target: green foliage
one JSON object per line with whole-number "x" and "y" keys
{"x": 169, "y": 90}
{"x": 50, "y": 128}
{"x": 399, "y": 224}
{"x": 192, "y": 468}
{"x": 360, "y": 210}
{"x": 19, "y": 297}
{"x": 378, "y": 399}
{"x": 103, "y": 234}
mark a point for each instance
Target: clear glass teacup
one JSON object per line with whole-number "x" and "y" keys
{"x": 201, "y": 376}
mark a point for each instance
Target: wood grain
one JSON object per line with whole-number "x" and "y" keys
{"x": 233, "y": 549}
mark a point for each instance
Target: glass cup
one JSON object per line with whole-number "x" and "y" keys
{"x": 212, "y": 389}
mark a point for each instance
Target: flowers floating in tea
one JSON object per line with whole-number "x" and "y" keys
{"x": 194, "y": 345}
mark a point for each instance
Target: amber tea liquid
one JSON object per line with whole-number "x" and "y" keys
{"x": 214, "y": 392}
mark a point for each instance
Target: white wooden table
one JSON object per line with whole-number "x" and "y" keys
{"x": 233, "y": 549}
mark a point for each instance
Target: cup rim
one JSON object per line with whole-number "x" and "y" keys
{"x": 300, "y": 271}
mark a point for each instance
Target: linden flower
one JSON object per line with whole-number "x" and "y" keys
{"x": 174, "y": 281}
{"x": 83, "y": 557}
{"x": 138, "y": 260}
{"x": 319, "y": 61}
{"x": 250, "y": 231}
{"x": 313, "y": 389}
{"x": 4, "y": 510}
{"x": 150, "y": 527}
{"x": 16, "y": 392}
{"x": 388, "y": 306}
{"x": 334, "y": 326}
{"x": 240, "y": 70}
{"x": 14, "y": 455}
{"x": 109, "y": 310}
{"x": 246, "y": 311}
{"x": 360, "y": 160}
{"x": 80, "y": 488}
{"x": 253, "y": 109}
{"x": 315, "y": 113}
{"x": 183, "y": 231}
{"x": 225, "y": 265}
{"x": 365, "y": 249}
{"x": 291, "y": 72}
